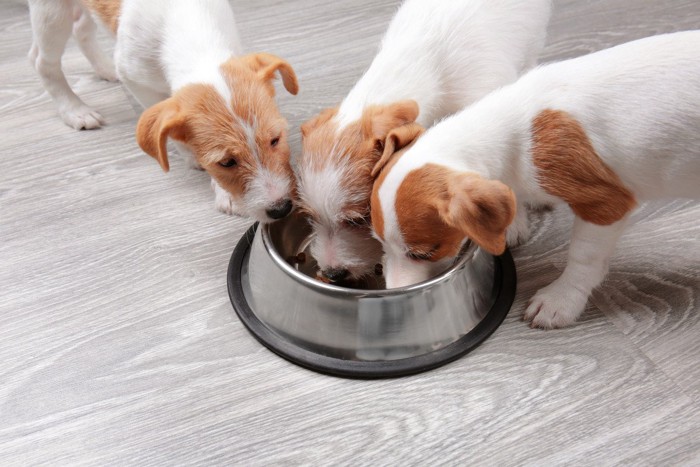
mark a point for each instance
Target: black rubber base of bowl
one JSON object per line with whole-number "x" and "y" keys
{"x": 505, "y": 281}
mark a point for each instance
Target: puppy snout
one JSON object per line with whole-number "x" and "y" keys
{"x": 280, "y": 209}
{"x": 335, "y": 274}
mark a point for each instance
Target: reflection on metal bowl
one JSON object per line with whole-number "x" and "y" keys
{"x": 367, "y": 331}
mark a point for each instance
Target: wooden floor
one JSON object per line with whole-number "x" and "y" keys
{"x": 118, "y": 344}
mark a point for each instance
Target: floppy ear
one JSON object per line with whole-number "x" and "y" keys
{"x": 310, "y": 125}
{"x": 481, "y": 209}
{"x": 265, "y": 65}
{"x": 380, "y": 120}
{"x": 155, "y": 125}
{"x": 397, "y": 139}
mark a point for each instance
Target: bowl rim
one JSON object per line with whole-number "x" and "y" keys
{"x": 505, "y": 280}
{"x": 467, "y": 253}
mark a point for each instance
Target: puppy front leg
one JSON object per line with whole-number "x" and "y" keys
{"x": 519, "y": 230}
{"x": 51, "y": 26}
{"x": 223, "y": 200}
{"x": 560, "y": 303}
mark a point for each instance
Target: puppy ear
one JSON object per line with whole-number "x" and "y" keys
{"x": 310, "y": 125}
{"x": 380, "y": 120}
{"x": 265, "y": 65}
{"x": 155, "y": 125}
{"x": 397, "y": 139}
{"x": 481, "y": 209}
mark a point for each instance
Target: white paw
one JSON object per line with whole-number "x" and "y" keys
{"x": 82, "y": 117}
{"x": 107, "y": 72}
{"x": 556, "y": 306}
{"x": 223, "y": 201}
{"x": 519, "y": 231}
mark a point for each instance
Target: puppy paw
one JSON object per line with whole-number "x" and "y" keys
{"x": 519, "y": 231}
{"x": 556, "y": 306}
{"x": 223, "y": 201}
{"x": 82, "y": 117}
{"x": 107, "y": 73}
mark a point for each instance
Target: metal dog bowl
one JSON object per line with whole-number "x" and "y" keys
{"x": 367, "y": 332}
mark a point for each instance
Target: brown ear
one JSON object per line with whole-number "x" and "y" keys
{"x": 397, "y": 139}
{"x": 481, "y": 209}
{"x": 155, "y": 125}
{"x": 309, "y": 125}
{"x": 380, "y": 120}
{"x": 265, "y": 65}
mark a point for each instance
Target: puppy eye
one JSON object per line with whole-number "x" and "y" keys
{"x": 274, "y": 141}
{"x": 231, "y": 162}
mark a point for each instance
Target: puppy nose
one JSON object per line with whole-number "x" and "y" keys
{"x": 335, "y": 274}
{"x": 280, "y": 209}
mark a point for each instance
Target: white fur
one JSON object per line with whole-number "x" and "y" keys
{"x": 447, "y": 54}
{"x": 444, "y": 55}
{"x": 335, "y": 246}
{"x": 162, "y": 45}
{"x": 639, "y": 104}
{"x": 53, "y": 21}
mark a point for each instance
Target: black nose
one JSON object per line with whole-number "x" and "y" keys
{"x": 280, "y": 209}
{"x": 335, "y": 274}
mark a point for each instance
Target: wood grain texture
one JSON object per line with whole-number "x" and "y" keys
{"x": 118, "y": 345}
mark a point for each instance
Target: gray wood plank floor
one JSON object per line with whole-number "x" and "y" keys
{"x": 118, "y": 345}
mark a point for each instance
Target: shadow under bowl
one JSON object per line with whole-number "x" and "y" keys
{"x": 367, "y": 332}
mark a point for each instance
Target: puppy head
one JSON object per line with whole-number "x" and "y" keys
{"x": 422, "y": 214}
{"x": 235, "y": 131}
{"x": 335, "y": 175}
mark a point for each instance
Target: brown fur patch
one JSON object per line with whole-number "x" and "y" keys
{"x": 569, "y": 168}
{"x": 437, "y": 207}
{"x": 418, "y": 211}
{"x": 107, "y": 10}
{"x": 360, "y": 143}
{"x": 198, "y": 116}
{"x": 265, "y": 65}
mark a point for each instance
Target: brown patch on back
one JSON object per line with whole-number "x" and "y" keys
{"x": 107, "y": 10}
{"x": 569, "y": 168}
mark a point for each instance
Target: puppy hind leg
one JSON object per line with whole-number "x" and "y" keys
{"x": 51, "y": 25}
{"x": 560, "y": 303}
{"x": 85, "y": 32}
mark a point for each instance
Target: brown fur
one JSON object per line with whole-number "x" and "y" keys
{"x": 569, "y": 168}
{"x": 199, "y": 117}
{"x": 397, "y": 139}
{"x": 437, "y": 207}
{"x": 361, "y": 142}
{"x": 107, "y": 10}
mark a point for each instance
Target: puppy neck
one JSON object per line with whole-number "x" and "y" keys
{"x": 196, "y": 42}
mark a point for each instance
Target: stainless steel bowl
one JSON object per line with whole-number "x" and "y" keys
{"x": 368, "y": 331}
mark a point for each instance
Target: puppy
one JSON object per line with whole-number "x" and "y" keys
{"x": 181, "y": 59}
{"x": 435, "y": 58}
{"x": 600, "y": 133}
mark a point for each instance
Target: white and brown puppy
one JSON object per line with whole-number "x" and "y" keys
{"x": 435, "y": 58}
{"x": 600, "y": 133}
{"x": 182, "y": 61}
